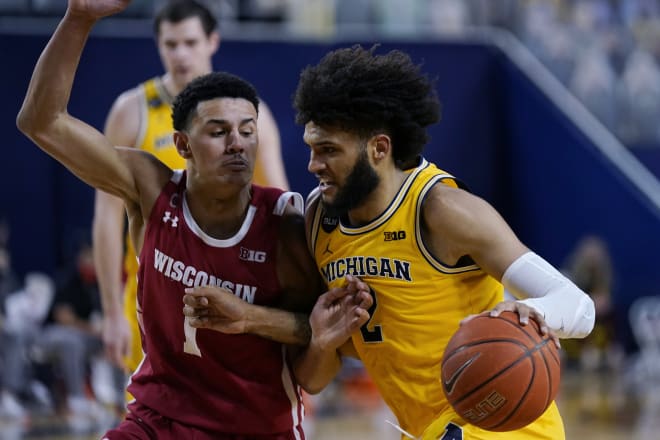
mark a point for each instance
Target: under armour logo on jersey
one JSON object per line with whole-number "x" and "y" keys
{"x": 168, "y": 218}
{"x": 252, "y": 255}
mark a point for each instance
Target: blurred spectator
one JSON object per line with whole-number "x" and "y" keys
{"x": 589, "y": 266}
{"x": 639, "y": 95}
{"x": 261, "y": 10}
{"x": 71, "y": 338}
{"x": 594, "y": 83}
{"x": 401, "y": 17}
{"x": 634, "y": 11}
{"x": 500, "y": 13}
{"x": 25, "y": 311}
{"x": 8, "y": 280}
{"x": 449, "y": 16}
{"x": 21, "y": 313}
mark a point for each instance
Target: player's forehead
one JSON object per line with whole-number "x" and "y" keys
{"x": 188, "y": 28}
{"x": 323, "y": 133}
{"x": 233, "y": 111}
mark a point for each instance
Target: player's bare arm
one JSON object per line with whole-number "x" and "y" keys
{"x": 80, "y": 147}
{"x": 44, "y": 117}
{"x": 336, "y": 315}
{"x": 458, "y": 223}
{"x": 121, "y": 128}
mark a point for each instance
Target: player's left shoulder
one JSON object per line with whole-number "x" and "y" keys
{"x": 292, "y": 224}
{"x": 445, "y": 199}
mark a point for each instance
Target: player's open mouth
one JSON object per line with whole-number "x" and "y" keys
{"x": 325, "y": 186}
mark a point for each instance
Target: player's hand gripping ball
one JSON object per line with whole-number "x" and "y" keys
{"x": 498, "y": 374}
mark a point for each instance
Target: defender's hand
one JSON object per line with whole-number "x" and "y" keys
{"x": 216, "y": 308}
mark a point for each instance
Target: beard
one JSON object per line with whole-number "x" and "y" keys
{"x": 359, "y": 184}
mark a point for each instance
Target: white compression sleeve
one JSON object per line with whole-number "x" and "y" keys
{"x": 568, "y": 311}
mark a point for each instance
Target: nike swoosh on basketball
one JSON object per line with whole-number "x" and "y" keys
{"x": 451, "y": 382}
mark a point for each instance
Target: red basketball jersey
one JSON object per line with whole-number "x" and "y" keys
{"x": 238, "y": 384}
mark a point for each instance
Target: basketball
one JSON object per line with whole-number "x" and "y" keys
{"x": 499, "y": 375}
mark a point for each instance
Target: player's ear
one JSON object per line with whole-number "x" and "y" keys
{"x": 214, "y": 40}
{"x": 382, "y": 146}
{"x": 182, "y": 143}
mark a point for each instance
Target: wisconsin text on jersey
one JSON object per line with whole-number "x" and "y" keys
{"x": 190, "y": 276}
{"x": 367, "y": 266}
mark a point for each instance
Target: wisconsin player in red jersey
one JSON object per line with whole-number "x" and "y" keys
{"x": 206, "y": 225}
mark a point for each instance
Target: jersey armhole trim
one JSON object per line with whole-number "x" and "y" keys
{"x": 285, "y": 198}
{"x": 425, "y": 251}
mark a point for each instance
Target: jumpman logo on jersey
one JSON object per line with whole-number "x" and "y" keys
{"x": 168, "y": 218}
{"x": 327, "y": 249}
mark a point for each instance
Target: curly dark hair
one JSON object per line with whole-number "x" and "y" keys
{"x": 364, "y": 93}
{"x": 175, "y": 11}
{"x": 210, "y": 86}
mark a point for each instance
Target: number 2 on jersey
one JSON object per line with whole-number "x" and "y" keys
{"x": 375, "y": 334}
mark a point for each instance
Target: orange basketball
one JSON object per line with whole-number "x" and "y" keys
{"x": 499, "y": 375}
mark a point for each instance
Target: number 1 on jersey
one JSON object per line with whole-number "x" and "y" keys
{"x": 190, "y": 344}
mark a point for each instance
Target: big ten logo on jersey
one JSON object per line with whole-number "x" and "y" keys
{"x": 329, "y": 223}
{"x": 246, "y": 254}
{"x": 394, "y": 235}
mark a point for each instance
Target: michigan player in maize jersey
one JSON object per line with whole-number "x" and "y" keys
{"x": 206, "y": 225}
{"x": 432, "y": 253}
{"x": 187, "y": 38}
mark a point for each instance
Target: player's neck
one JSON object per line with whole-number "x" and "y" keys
{"x": 170, "y": 87}
{"x": 219, "y": 215}
{"x": 379, "y": 199}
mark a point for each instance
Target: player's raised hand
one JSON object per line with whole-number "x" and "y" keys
{"x": 95, "y": 9}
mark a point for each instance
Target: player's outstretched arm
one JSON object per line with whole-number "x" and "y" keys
{"x": 336, "y": 315}
{"x": 44, "y": 117}
{"x": 219, "y": 309}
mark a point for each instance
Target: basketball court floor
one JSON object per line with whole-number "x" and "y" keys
{"x": 595, "y": 406}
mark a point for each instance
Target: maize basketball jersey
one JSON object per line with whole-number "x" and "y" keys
{"x": 155, "y": 136}
{"x": 418, "y": 304}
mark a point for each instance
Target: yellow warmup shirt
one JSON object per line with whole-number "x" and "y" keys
{"x": 418, "y": 304}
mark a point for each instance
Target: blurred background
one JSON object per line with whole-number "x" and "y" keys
{"x": 551, "y": 112}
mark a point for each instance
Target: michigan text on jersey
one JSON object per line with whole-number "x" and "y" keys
{"x": 367, "y": 266}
